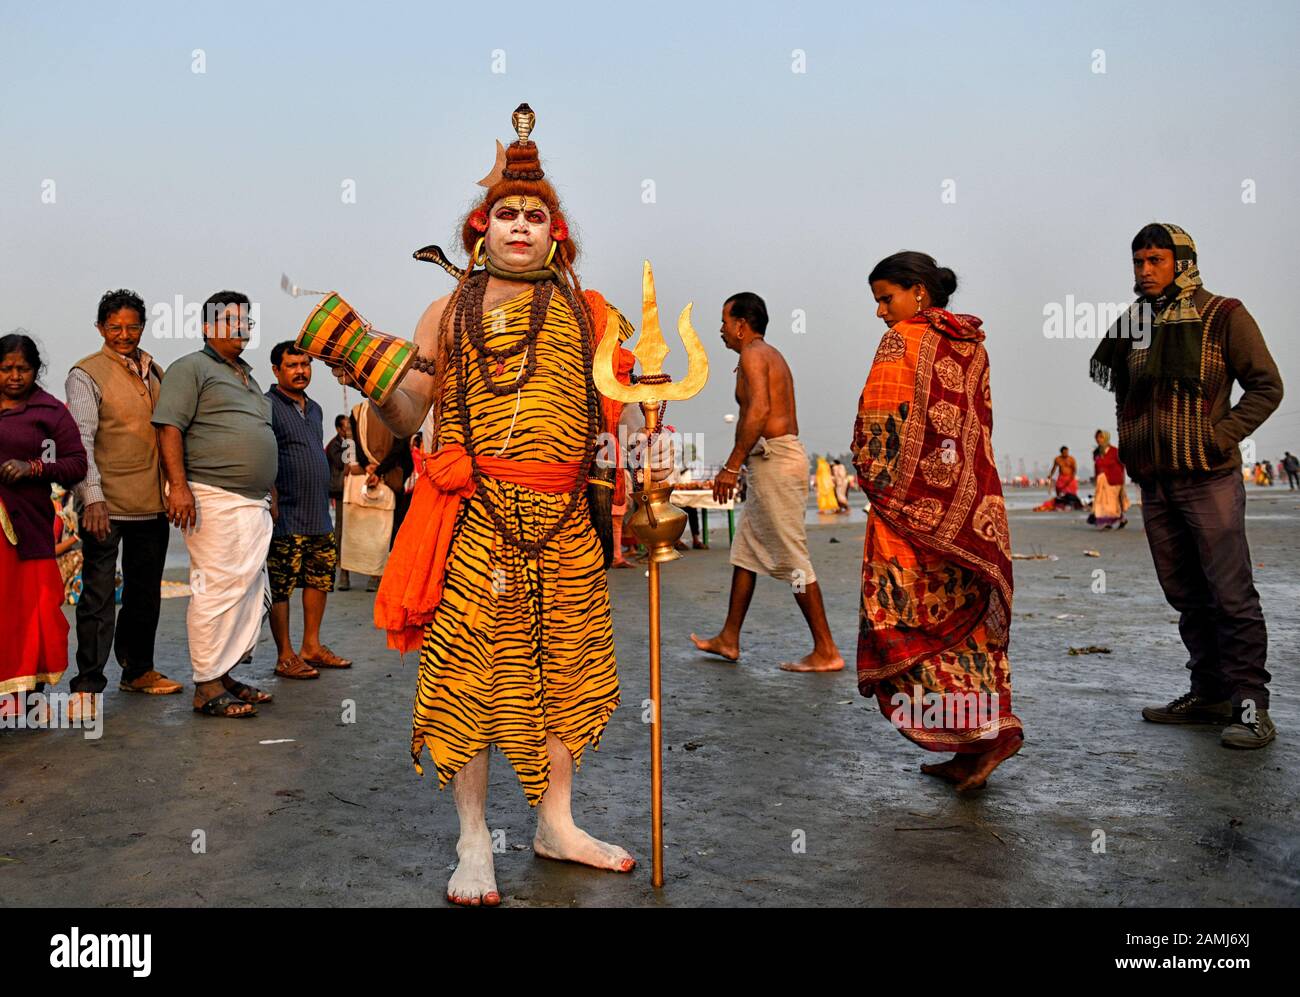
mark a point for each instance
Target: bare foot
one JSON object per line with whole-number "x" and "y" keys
{"x": 474, "y": 882}
{"x": 716, "y": 645}
{"x": 956, "y": 769}
{"x": 986, "y": 763}
{"x": 814, "y": 663}
{"x": 572, "y": 844}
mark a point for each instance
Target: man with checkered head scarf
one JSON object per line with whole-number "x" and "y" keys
{"x": 1172, "y": 360}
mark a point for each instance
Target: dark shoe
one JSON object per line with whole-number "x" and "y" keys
{"x": 246, "y": 693}
{"x": 1252, "y": 735}
{"x": 224, "y": 705}
{"x": 344, "y": 584}
{"x": 1190, "y": 709}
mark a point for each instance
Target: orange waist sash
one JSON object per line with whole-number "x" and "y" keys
{"x": 411, "y": 587}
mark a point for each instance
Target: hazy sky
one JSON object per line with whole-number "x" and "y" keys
{"x": 788, "y": 183}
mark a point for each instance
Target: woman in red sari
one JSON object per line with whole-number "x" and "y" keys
{"x": 39, "y": 444}
{"x": 936, "y": 570}
{"x": 1110, "y": 503}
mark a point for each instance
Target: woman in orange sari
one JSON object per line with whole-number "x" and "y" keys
{"x": 936, "y": 571}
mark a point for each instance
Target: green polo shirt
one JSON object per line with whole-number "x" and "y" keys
{"x": 225, "y": 420}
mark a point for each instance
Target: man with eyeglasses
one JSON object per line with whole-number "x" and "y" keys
{"x": 112, "y": 394}
{"x": 219, "y": 460}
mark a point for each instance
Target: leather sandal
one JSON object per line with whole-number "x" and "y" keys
{"x": 326, "y": 658}
{"x": 225, "y": 705}
{"x": 247, "y": 693}
{"x": 295, "y": 668}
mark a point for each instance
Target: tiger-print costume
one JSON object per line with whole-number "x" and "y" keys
{"x": 519, "y": 648}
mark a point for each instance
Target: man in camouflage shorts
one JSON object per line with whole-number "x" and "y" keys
{"x": 303, "y": 553}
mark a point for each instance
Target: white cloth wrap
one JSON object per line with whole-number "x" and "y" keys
{"x": 367, "y": 526}
{"x": 771, "y": 538}
{"x": 228, "y": 583}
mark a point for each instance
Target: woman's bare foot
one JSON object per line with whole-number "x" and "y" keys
{"x": 814, "y": 662}
{"x": 956, "y": 769}
{"x": 986, "y": 763}
{"x": 718, "y": 645}
{"x": 572, "y": 844}
{"x": 474, "y": 882}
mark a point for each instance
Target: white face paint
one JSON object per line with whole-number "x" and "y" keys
{"x": 518, "y": 239}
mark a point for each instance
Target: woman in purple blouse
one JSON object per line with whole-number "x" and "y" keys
{"x": 39, "y": 445}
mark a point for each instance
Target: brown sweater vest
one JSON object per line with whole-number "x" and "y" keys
{"x": 126, "y": 446}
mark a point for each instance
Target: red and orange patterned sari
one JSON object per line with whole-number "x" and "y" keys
{"x": 936, "y": 569}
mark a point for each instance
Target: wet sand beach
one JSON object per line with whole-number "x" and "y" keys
{"x": 781, "y": 789}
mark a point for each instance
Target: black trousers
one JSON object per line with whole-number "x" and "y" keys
{"x": 403, "y": 503}
{"x": 1196, "y": 528}
{"x": 144, "y": 550}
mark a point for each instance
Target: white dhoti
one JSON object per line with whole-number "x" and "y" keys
{"x": 367, "y": 526}
{"x": 771, "y": 538}
{"x": 228, "y": 582}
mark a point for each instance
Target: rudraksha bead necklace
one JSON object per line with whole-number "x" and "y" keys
{"x": 468, "y": 321}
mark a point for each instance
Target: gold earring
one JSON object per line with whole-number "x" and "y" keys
{"x": 475, "y": 258}
{"x": 551, "y": 255}
{"x": 919, "y": 309}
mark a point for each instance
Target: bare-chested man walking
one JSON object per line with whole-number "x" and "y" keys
{"x": 771, "y": 538}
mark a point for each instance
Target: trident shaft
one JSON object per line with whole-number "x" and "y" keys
{"x": 656, "y": 522}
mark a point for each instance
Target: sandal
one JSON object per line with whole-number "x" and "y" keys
{"x": 247, "y": 693}
{"x": 226, "y": 706}
{"x": 39, "y": 716}
{"x": 83, "y": 706}
{"x": 295, "y": 668}
{"x": 328, "y": 659}
{"x": 151, "y": 683}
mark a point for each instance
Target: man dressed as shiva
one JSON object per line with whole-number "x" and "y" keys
{"x": 498, "y": 576}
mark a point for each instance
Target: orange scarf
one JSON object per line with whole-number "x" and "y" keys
{"x": 411, "y": 587}
{"x": 610, "y": 410}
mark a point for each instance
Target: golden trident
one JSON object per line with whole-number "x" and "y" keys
{"x": 656, "y": 522}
